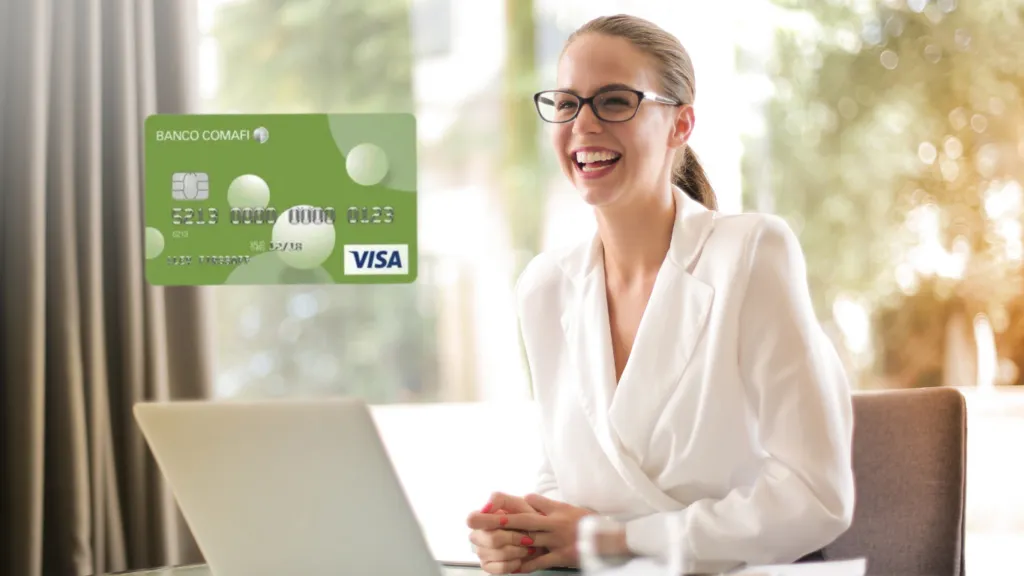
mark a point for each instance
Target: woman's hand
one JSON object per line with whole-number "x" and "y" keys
{"x": 501, "y": 551}
{"x": 552, "y": 526}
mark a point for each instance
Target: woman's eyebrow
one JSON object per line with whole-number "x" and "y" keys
{"x": 604, "y": 88}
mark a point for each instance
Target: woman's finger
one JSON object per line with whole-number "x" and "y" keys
{"x": 500, "y": 505}
{"x": 542, "y": 562}
{"x": 527, "y": 522}
{"x": 503, "y": 554}
{"x": 481, "y": 520}
{"x": 501, "y": 567}
{"x": 540, "y": 540}
{"x": 510, "y": 504}
{"x": 497, "y": 538}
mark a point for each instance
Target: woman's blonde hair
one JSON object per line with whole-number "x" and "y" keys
{"x": 677, "y": 81}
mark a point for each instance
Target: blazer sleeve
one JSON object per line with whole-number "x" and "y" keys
{"x": 546, "y": 485}
{"x": 532, "y": 274}
{"x": 803, "y": 497}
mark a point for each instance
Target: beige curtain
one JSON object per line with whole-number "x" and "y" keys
{"x": 83, "y": 336}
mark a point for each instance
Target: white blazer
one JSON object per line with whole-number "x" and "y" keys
{"x": 732, "y": 423}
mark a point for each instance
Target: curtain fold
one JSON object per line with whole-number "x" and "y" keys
{"x": 84, "y": 337}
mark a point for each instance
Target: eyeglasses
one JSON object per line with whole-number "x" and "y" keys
{"x": 615, "y": 105}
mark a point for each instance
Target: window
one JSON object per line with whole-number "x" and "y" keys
{"x": 376, "y": 342}
{"x": 432, "y": 27}
{"x": 887, "y": 133}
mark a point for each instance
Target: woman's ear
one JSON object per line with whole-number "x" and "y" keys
{"x": 682, "y": 127}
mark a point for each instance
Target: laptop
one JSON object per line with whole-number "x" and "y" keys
{"x": 278, "y": 487}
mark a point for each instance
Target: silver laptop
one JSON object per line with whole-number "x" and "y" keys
{"x": 287, "y": 487}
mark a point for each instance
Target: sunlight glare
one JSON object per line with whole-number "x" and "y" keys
{"x": 851, "y": 316}
{"x": 986, "y": 346}
{"x": 928, "y": 257}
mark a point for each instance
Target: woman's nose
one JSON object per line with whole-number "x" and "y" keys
{"x": 586, "y": 121}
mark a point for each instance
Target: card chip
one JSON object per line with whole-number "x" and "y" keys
{"x": 190, "y": 186}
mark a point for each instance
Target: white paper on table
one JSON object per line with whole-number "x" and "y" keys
{"x": 649, "y": 567}
{"x": 855, "y": 567}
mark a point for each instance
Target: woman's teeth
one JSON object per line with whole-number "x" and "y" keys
{"x": 588, "y": 157}
{"x": 595, "y": 161}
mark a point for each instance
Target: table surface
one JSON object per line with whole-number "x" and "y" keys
{"x": 642, "y": 567}
{"x": 203, "y": 570}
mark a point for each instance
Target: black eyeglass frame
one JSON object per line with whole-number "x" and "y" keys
{"x": 641, "y": 96}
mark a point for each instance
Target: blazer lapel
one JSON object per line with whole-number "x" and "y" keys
{"x": 669, "y": 331}
{"x": 670, "y": 328}
{"x": 589, "y": 339}
{"x": 622, "y": 417}
{"x": 589, "y": 343}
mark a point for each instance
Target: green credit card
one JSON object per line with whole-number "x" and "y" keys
{"x": 280, "y": 199}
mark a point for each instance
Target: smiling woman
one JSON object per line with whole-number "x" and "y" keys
{"x": 619, "y": 102}
{"x": 684, "y": 383}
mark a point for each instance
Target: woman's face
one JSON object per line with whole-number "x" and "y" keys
{"x": 641, "y": 149}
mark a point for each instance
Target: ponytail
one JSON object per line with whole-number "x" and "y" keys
{"x": 689, "y": 176}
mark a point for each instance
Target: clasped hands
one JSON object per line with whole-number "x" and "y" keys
{"x": 513, "y": 535}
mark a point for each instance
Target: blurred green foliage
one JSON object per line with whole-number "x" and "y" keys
{"x": 523, "y": 180}
{"x": 344, "y": 56}
{"x": 376, "y": 342}
{"x": 880, "y": 108}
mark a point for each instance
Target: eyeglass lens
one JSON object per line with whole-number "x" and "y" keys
{"x": 611, "y": 106}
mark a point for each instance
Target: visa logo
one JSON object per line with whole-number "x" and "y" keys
{"x": 376, "y": 259}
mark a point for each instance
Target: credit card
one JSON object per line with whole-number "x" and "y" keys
{"x": 280, "y": 199}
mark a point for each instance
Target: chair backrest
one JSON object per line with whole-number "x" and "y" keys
{"x": 909, "y": 461}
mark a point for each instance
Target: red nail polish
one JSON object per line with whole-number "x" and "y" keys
{"x": 504, "y": 520}
{"x": 531, "y": 550}
{"x": 487, "y": 508}
{"x": 526, "y": 541}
